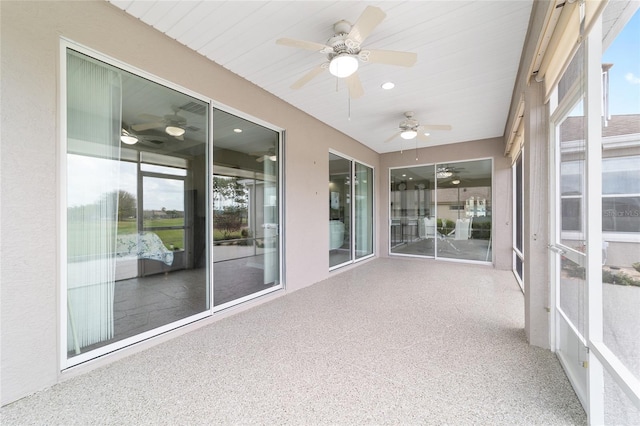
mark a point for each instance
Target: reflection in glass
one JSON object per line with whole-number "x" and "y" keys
{"x": 340, "y": 183}
{"x": 572, "y": 182}
{"x": 518, "y": 198}
{"x": 464, "y": 211}
{"x": 621, "y": 208}
{"x": 246, "y": 218}
{"x": 412, "y": 206}
{"x": 136, "y": 255}
{"x": 363, "y": 193}
{"x": 442, "y": 210}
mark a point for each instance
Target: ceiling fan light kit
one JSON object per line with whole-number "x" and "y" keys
{"x": 128, "y": 138}
{"x": 343, "y": 65}
{"x": 408, "y": 134}
{"x": 343, "y": 51}
{"x": 174, "y": 130}
{"x": 410, "y": 128}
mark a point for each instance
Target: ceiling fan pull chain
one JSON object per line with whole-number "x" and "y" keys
{"x": 416, "y": 149}
{"x": 348, "y": 107}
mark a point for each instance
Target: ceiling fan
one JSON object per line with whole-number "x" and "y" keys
{"x": 410, "y": 128}
{"x": 445, "y": 172}
{"x": 265, "y": 155}
{"x": 173, "y": 124}
{"x": 131, "y": 138}
{"x": 344, "y": 51}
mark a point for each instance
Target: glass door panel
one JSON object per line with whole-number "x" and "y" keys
{"x": 464, "y": 210}
{"x": 621, "y": 199}
{"x": 136, "y": 259}
{"x": 518, "y": 220}
{"x": 412, "y": 227}
{"x": 246, "y": 218}
{"x": 569, "y": 236}
{"x": 363, "y": 211}
{"x": 340, "y": 183}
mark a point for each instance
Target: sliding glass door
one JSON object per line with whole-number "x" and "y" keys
{"x": 350, "y": 211}
{"x": 136, "y": 193}
{"x": 442, "y": 210}
{"x": 363, "y": 210}
{"x": 171, "y": 214}
{"x": 246, "y": 218}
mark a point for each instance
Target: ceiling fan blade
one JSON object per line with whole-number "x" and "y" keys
{"x": 395, "y": 135}
{"x": 355, "y": 86}
{"x": 150, "y": 117}
{"x": 421, "y": 136}
{"x": 147, "y": 126}
{"x": 370, "y": 18}
{"x": 390, "y": 57}
{"x": 437, "y": 127}
{"x": 152, "y": 138}
{"x": 308, "y": 77}
{"x": 303, "y": 44}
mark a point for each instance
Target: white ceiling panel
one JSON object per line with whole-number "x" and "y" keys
{"x": 468, "y": 56}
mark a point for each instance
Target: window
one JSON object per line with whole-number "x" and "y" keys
{"x": 621, "y": 193}
{"x": 518, "y": 219}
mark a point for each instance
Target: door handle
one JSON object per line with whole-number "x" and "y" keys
{"x": 556, "y": 249}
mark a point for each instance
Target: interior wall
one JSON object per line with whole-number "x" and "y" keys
{"x": 502, "y": 231}
{"x": 31, "y": 185}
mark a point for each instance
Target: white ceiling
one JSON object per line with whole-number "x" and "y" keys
{"x": 468, "y": 57}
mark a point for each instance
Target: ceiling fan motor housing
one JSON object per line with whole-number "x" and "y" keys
{"x": 175, "y": 120}
{"x": 409, "y": 124}
{"x": 340, "y": 43}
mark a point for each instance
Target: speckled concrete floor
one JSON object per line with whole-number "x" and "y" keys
{"x": 394, "y": 341}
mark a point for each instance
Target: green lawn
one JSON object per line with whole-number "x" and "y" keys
{"x": 168, "y": 236}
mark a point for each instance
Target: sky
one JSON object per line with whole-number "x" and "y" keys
{"x": 624, "y": 76}
{"x": 85, "y": 183}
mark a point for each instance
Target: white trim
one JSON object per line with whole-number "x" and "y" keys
{"x": 61, "y": 286}
{"x": 247, "y": 298}
{"x": 619, "y": 372}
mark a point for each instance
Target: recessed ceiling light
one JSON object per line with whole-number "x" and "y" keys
{"x": 404, "y": 175}
{"x": 237, "y": 130}
{"x": 388, "y": 85}
{"x": 427, "y": 133}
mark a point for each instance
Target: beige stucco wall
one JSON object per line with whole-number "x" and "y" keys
{"x": 502, "y": 229}
{"x": 31, "y": 34}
